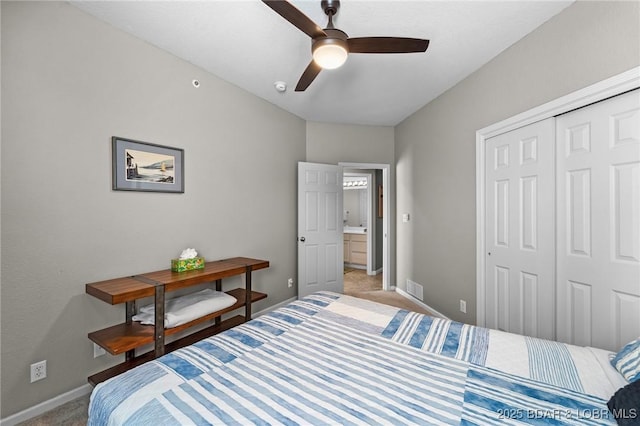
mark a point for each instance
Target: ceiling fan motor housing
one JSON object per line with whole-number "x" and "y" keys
{"x": 334, "y": 37}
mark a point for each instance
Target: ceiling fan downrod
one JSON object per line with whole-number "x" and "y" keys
{"x": 330, "y": 6}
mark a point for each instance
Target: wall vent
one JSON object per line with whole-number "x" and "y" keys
{"x": 414, "y": 289}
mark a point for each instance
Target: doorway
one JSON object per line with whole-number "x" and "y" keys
{"x": 320, "y": 226}
{"x": 370, "y": 208}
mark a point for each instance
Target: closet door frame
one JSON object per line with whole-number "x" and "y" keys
{"x": 612, "y": 86}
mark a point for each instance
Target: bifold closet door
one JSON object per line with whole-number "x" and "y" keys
{"x": 598, "y": 223}
{"x": 519, "y": 229}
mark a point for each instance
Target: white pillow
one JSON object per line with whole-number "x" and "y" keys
{"x": 181, "y": 310}
{"x": 627, "y": 361}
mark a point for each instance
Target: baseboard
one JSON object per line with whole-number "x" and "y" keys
{"x": 356, "y": 266}
{"x": 45, "y": 406}
{"x": 419, "y": 302}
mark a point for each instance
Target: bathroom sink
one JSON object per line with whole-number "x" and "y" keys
{"x": 355, "y": 230}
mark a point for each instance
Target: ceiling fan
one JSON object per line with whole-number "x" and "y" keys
{"x": 331, "y": 46}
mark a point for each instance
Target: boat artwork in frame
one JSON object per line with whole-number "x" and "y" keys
{"x": 143, "y": 166}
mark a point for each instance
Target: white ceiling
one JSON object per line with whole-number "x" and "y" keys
{"x": 248, "y": 44}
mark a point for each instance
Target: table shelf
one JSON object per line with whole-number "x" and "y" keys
{"x": 170, "y": 347}
{"x": 125, "y": 338}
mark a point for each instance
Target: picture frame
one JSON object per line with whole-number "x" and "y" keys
{"x": 147, "y": 167}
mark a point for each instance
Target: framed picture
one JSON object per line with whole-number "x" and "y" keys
{"x": 143, "y": 166}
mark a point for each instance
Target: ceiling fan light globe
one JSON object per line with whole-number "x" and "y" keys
{"x": 330, "y": 54}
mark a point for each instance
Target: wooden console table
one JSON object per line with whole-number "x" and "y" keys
{"x": 126, "y": 337}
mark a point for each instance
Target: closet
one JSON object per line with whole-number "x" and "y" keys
{"x": 562, "y": 226}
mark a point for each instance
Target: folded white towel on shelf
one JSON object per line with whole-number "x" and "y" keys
{"x": 180, "y": 310}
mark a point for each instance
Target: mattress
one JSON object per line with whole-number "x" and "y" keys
{"x": 334, "y": 359}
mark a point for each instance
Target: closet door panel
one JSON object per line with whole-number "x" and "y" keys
{"x": 520, "y": 231}
{"x": 598, "y": 223}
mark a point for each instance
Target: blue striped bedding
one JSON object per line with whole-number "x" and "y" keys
{"x": 572, "y": 367}
{"x": 333, "y": 359}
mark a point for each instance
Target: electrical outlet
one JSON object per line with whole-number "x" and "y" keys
{"x": 463, "y": 306}
{"x": 98, "y": 351}
{"x": 38, "y": 371}
{"x": 290, "y": 282}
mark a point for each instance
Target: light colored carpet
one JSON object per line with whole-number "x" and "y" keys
{"x": 356, "y": 283}
{"x": 73, "y": 413}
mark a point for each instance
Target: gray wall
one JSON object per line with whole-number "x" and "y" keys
{"x": 378, "y": 220}
{"x": 69, "y": 83}
{"x": 435, "y": 147}
{"x": 335, "y": 143}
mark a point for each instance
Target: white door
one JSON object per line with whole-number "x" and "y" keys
{"x": 598, "y": 238}
{"x": 320, "y": 229}
{"x": 519, "y": 252}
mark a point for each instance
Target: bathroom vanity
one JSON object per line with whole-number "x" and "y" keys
{"x": 355, "y": 246}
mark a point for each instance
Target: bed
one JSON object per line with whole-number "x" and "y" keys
{"x": 334, "y": 359}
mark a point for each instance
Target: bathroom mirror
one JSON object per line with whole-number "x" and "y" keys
{"x": 355, "y": 207}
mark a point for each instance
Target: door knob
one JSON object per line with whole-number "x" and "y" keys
{"x": 302, "y": 239}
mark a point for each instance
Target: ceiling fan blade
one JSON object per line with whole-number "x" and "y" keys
{"x": 297, "y": 18}
{"x": 387, "y": 45}
{"x": 308, "y": 76}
